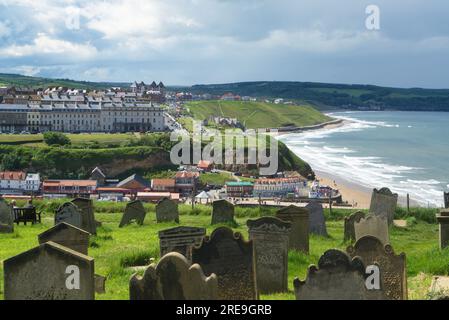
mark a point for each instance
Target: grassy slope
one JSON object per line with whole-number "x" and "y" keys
{"x": 258, "y": 114}
{"x": 216, "y": 179}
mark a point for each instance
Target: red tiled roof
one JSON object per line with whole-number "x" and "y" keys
{"x": 163, "y": 182}
{"x": 185, "y": 174}
{"x": 12, "y": 175}
{"x": 70, "y": 183}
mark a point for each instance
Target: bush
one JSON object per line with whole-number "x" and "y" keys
{"x": 56, "y": 139}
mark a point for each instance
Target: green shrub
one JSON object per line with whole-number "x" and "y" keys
{"x": 56, "y": 139}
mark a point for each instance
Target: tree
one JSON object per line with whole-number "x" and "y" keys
{"x": 56, "y": 138}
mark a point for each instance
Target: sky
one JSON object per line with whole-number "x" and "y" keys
{"x": 186, "y": 42}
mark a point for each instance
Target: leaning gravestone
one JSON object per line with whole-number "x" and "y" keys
{"x": 134, "y": 211}
{"x": 70, "y": 214}
{"x": 68, "y": 236}
{"x": 299, "y": 235}
{"x": 383, "y": 203}
{"x": 393, "y": 274}
{"x": 443, "y": 220}
{"x": 222, "y": 212}
{"x": 270, "y": 241}
{"x": 230, "y": 257}
{"x": 167, "y": 211}
{"x": 317, "y": 222}
{"x": 88, "y": 222}
{"x": 6, "y": 217}
{"x": 49, "y": 272}
{"x": 336, "y": 277}
{"x": 349, "y": 225}
{"x": 181, "y": 240}
{"x": 173, "y": 278}
{"x": 372, "y": 225}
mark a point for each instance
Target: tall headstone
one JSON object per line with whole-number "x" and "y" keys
{"x": 393, "y": 272}
{"x": 372, "y": 225}
{"x": 88, "y": 222}
{"x": 174, "y": 278}
{"x": 134, "y": 211}
{"x": 317, "y": 222}
{"x": 336, "y": 277}
{"x": 6, "y": 217}
{"x": 446, "y": 200}
{"x": 443, "y": 220}
{"x": 68, "y": 236}
{"x": 383, "y": 203}
{"x": 49, "y": 272}
{"x": 349, "y": 225}
{"x": 299, "y": 234}
{"x": 167, "y": 211}
{"x": 181, "y": 240}
{"x": 69, "y": 213}
{"x": 230, "y": 257}
{"x": 222, "y": 212}
{"x": 270, "y": 241}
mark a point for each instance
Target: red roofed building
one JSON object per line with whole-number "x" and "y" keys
{"x": 70, "y": 188}
{"x": 205, "y": 165}
{"x": 19, "y": 182}
{"x": 163, "y": 185}
{"x": 186, "y": 182}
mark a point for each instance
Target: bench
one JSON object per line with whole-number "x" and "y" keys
{"x": 26, "y": 215}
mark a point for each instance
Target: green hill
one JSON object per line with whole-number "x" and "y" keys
{"x": 255, "y": 115}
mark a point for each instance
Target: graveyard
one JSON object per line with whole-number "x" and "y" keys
{"x": 123, "y": 250}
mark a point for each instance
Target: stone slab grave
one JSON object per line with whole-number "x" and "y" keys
{"x": 100, "y": 284}
{"x": 443, "y": 220}
{"x": 349, "y": 225}
{"x": 317, "y": 222}
{"x": 383, "y": 203}
{"x": 299, "y": 234}
{"x": 134, "y": 211}
{"x": 68, "y": 236}
{"x": 337, "y": 277}
{"x": 222, "y": 212}
{"x": 439, "y": 288}
{"x": 393, "y": 272}
{"x": 88, "y": 222}
{"x": 167, "y": 211}
{"x": 173, "y": 278}
{"x": 270, "y": 241}
{"x": 70, "y": 214}
{"x": 49, "y": 272}
{"x": 6, "y": 217}
{"x": 372, "y": 225}
{"x": 230, "y": 257}
{"x": 181, "y": 240}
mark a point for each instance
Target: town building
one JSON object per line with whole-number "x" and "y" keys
{"x": 280, "y": 187}
{"x": 69, "y": 188}
{"x": 186, "y": 182}
{"x": 163, "y": 185}
{"x": 134, "y": 184}
{"x": 241, "y": 189}
{"x": 18, "y": 182}
{"x": 205, "y": 166}
{"x": 155, "y": 197}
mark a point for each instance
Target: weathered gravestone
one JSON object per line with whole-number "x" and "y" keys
{"x": 49, "y": 272}
{"x": 317, "y": 222}
{"x": 443, "y": 220}
{"x": 181, "y": 240}
{"x": 383, "y": 203}
{"x": 69, "y": 213}
{"x": 230, "y": 257}
{"x": 270, "y": 242}
{"x": 167, "y": 211}
{"x": 393, "y": 275}
{"x": 337, "y": 277}
{"x": 372, "y": 225}
{"x": 446, "y": 200}
{"x": 134, "y": 211}
{"x": 349, "y": 225}
{"x": 88, "y": 222}
{"x": 173, "y": 278}
{"x": 222, "y": 212}
{"x": 6, "y": 217}
{"x": 299, "y": 234}
{"x": 100, "y": 284}
{"x": 68, "y": 236}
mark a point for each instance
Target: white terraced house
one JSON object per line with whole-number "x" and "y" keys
{"x": 13, "y": 182}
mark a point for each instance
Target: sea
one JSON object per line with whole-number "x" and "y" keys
{"x": 405, "y": 151}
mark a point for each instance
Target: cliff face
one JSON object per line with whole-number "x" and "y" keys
{"x": 119, "y": 166}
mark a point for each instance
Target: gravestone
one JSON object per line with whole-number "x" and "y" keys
{"x": 49, "y": 272}
{"x": 70, "y": 214}
{"x": 88, "y": 222}
{"x": 68, "y": 236}
{"x": 167, "y": 211}
{"x": 393, "y": 273}
{"x": 317, "y": 222}
{"x": 270, "y": 242}
{"x": 349, "y": 225}
{"x": 222, "y": 212}
{"x": 446, "y": 200}
{"x": 230, "y": 257}
{"x": 181, "y": 240}
{"x": 100, "y": 284}
{"x": 336, "y": 277}
{"x": 134, "y": 211}
{"x": 443, "y": 220}
{"x": 372, "y": 225}
{"x": 6, "y": 217}
{"x": 299, "y": 234}
{"x": 173, "y": 278}
{"x": 383, "y": 203}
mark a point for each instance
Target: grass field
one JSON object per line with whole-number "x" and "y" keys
{"x": 216, "y": 179}
{"x": 30, "y": 139}
{"x": 258, "y": 114}
{"x": 115, "y": 249}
